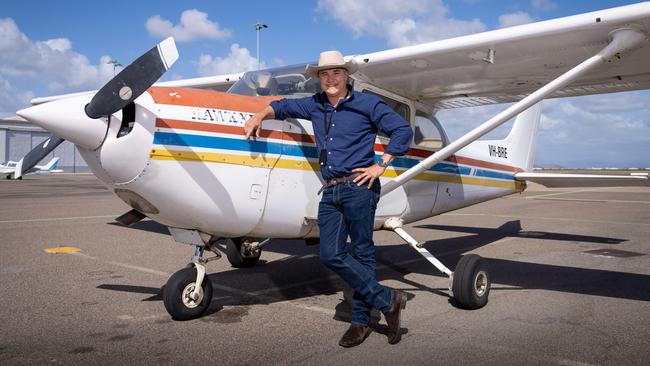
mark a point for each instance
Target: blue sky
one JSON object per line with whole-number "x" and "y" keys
{"x": 64, "y": 47}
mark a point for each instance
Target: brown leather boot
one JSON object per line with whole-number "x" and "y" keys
{"x": 393, "y": 316}
{"x": 355, "y": 335}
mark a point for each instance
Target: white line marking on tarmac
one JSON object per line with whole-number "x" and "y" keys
{"x": 586, "y": 200}
{"x": 124, "y": 265}
{"x": 59, "y": 219}
{"x": 548, "y": 218}
{"x": 566, "y": 192}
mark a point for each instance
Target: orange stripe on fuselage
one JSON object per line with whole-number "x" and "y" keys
{"x": 188, "y": 97}
{"x": 233, "y": 130}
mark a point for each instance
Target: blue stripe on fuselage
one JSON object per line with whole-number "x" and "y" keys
{"x": 310, "y": 152}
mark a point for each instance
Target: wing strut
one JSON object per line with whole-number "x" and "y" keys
{"x": 622, "y": 39}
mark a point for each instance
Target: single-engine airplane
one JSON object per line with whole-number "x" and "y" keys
{"x": 176, "y": 151}
{"x": 11, "y": 168}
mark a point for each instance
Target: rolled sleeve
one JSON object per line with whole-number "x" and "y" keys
{"x": 292, "y": 108}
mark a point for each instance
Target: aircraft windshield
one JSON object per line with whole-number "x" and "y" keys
{"x": 288, "y": 81}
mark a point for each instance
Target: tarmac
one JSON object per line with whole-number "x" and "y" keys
{"x": 570, "y": 271}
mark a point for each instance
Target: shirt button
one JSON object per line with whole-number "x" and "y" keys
{"x": 333, "y": 125}
{"x": 330, "y": 139}
{"x": 329, "y": 153}
{"x": 329, "y": 166}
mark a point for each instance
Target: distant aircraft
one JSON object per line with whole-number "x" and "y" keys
{"x": 177, "y": 153}
{"x": 11, "y": 167}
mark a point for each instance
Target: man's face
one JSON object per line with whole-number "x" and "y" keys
{"x": 333, "y": 82}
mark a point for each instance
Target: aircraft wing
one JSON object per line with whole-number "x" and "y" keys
{"x": 218, "y": 83}
{"x": 507, "y": 64}
{"x": 552, "y": 180}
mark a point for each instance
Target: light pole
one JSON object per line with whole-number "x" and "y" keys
{"x": 115, "y": 64}
{"x": 258, "y": 27}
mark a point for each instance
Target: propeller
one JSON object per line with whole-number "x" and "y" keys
{"x": 134, "y": 80}
{"x": 36, "y": 154}
{"x": 60, "y": 116}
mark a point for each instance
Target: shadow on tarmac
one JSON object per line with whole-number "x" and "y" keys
{"x": 301, "y": 275}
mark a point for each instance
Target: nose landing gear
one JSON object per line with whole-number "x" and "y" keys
{"x": 188, "y": 293}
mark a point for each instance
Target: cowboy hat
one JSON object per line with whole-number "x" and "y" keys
{"x": 331, "y": 60}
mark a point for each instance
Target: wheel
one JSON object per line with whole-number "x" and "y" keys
{"x": 236, "y": 259}
{"x": 177, "y": 299}
{"x": 471, "y": 285}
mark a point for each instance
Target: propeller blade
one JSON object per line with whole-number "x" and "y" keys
{"x": 134, "y": 80}
{"x": 37, "y": 154}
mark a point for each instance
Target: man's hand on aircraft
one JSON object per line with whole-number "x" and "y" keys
{"x": 253, "y": 126}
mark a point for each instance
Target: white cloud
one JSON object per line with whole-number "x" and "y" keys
{"x": 12, "y": 99}
{"x": 59, "y": 44}
{"x": 193, "y": 25}
{"x": 545, "y": 5}
{"x": 239, "y": 59}
{"x": 27, "y": 64}
{"x": 400, "y": 22}
{"x": 607, "y": 130}
{"x": 513, "y": 19}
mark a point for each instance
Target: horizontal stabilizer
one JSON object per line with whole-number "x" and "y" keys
{"x": 552, "y": 180}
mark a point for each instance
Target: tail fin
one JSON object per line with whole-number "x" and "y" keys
{"x": 51, "y": 165}
{"x": 521, "y": 140}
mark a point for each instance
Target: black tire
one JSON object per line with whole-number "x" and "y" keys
{"x": 178, "y": 285}
{"x": 472, "y": 282}
{"x": 233, "y": 252}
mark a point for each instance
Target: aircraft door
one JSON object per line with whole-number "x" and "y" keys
{"x": 292, "y": 200}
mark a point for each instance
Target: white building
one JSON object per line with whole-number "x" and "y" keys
{"x": 18, "y": 137}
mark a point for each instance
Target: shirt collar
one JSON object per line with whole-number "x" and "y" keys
{"x": 349, "y": 95}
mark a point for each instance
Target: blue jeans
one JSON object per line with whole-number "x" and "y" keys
{"x": 347, "y": 209}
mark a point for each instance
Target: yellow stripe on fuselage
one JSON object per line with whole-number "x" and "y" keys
{"x": 257, "y": 161}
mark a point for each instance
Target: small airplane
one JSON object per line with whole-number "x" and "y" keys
{"x": 13, "y": 168}
{"x": 175, "y": 152}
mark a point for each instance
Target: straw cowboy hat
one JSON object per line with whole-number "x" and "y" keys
{"x": 331, "y": 60}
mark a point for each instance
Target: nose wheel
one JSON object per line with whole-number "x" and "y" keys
{"x": 180, "y": 297}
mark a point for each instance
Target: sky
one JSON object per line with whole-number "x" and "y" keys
{"x": 55, "y": 47}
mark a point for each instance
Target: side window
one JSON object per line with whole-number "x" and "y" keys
{"x": 400, "y": 108}
{"x": 427, "y": 133}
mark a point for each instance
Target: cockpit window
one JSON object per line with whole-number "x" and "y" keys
{"x": 285, "y": 81}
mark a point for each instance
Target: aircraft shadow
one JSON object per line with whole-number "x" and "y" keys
{"x": 301, "y": 275}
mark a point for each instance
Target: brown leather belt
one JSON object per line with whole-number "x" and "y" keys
{"x": 334, "y": 181}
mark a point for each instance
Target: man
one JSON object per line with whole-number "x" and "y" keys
{"x": 345, "y": 124}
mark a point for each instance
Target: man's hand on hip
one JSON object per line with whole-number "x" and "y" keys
{"x": 368, "y": 174}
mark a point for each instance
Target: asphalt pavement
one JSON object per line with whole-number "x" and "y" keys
{"x": 570, "y": 270}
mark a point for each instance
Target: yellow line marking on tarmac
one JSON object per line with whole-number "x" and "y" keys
{"x": 62, "y": 250}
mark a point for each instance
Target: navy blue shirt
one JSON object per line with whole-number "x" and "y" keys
{"x": 353, "y": 126}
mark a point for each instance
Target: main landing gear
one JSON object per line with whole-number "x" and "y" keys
{"x": 470, "y": 282}
{"x": 188, "y": 292}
